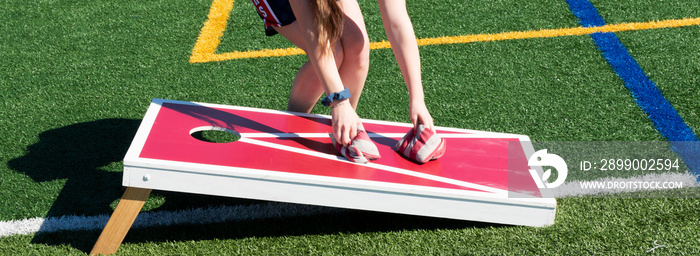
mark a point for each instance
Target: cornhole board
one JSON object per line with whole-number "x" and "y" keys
{"x": 288, "y": 157}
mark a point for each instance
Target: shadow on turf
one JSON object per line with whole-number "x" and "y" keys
{"x": 88, "y": 157}
{"x": 80, "y": 154}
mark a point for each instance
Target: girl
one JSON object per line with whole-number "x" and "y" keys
{"x": 334, "y": 37}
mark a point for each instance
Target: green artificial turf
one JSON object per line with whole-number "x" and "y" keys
{"x": 77, "y": 77}
{"x": 612, "y": 226}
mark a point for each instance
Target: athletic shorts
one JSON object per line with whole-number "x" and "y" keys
{"x": 275, "y": 13}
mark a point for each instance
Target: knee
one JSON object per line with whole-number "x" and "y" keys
{"x": 355, "y": 46}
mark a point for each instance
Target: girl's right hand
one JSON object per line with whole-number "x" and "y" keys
{"x": 420, "y": 115}
{"x": 345, "y": 122}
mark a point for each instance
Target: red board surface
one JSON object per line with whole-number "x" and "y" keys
{"x": 299, "y": 144}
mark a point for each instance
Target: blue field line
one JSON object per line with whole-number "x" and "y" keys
{"x": 662, "y": 114}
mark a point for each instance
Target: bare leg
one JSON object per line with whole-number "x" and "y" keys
{"x": 306, "y": 88}
{"x": 355, "y": 65}
{"x": 351, "y": 55}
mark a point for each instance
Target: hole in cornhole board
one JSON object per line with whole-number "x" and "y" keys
{"x": 215, "y": 134}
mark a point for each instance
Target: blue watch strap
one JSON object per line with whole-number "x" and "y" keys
{"x": 336, "y": 96}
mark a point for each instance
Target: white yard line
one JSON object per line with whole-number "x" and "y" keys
{"x": 216, "y": 214}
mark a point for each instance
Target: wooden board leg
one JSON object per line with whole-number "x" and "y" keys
{"x": 121, "y": 220}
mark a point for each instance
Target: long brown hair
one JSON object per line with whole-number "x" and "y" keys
{"x": 329, "y": 22}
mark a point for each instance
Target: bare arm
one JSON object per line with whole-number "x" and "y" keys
{"x": 400, "y": 32}
{"x": 345, "y": 120}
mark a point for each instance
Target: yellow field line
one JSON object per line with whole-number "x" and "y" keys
{"x": 209, "y": 38}
{"x": 550, "y": 32}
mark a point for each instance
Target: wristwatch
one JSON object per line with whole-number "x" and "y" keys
{"x": 336, "y": 96}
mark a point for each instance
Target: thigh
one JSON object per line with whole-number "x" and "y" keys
{"x": 354, "y": 30}
{"x": 294, "y": 34}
